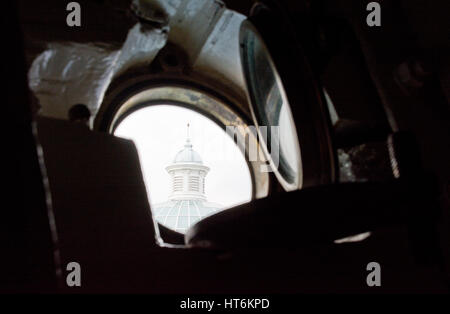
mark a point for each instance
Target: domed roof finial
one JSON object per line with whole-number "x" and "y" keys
{"x": 188, "y": 140}
{"x": 187, "y": 154}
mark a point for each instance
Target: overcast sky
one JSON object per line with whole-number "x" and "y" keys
{"x": 159, "y": 132}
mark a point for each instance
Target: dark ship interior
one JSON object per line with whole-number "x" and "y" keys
{"x": 370, "y": 110}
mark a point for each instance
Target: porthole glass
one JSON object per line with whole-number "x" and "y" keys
{"x": 270, "y": 107}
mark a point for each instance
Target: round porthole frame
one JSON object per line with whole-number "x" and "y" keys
{"x": 181, "y": 93}
{"x": 301, "y": 90}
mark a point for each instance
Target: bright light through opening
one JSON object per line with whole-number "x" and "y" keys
{"x": 160, "y": 133}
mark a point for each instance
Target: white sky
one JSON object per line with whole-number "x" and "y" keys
{"x": 159, "y": 132}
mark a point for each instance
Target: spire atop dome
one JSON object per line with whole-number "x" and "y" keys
{"x": 188, "y": 139}
{"x": 187, "y": 154}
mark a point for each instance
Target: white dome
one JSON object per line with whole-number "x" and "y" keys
{"x": 187, "y": 154}
{"x": 179, "y": 215}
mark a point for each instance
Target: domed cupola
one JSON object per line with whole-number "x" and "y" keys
{"x": 187, "y": 202}
{"x": 188, "y": 174}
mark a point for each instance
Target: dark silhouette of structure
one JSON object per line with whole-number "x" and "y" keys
{"x": 78, "y": 194}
